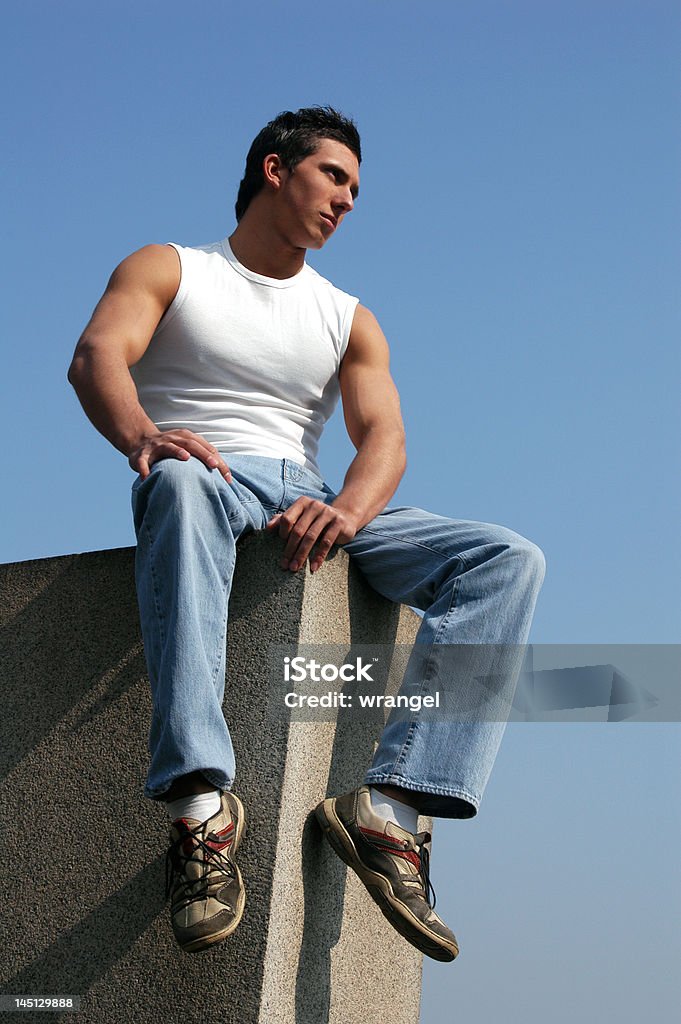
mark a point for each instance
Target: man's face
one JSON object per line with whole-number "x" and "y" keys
{"x": 317, "y": 194}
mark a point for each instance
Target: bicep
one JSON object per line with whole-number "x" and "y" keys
{"x": 370, "y": 398}
{"x": 138, "y": 293}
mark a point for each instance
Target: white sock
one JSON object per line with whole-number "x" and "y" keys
{"x": 199, "y": 806}
{"x": 389, "y": 809}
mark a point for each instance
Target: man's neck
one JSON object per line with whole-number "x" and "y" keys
{"x": 264, "y": 253}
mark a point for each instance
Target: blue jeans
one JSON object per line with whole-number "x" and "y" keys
{"x": 475, "y": 583}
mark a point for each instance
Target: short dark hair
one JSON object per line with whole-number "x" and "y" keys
{"x": 293, "y": 136}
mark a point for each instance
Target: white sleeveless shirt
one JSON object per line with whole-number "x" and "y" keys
{"x": 249, "y": 362}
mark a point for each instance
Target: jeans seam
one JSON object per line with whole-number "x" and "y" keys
{"x": 221, "y": 643}
{"x": 154, "y": 585}
{"x": 226, "y": 582}
{"x": 407, "y": 743}
{"x": 450, "y": 609}
{"x": 413, "y": 724}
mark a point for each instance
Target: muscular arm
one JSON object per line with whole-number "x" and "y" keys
{"x": 372, "y": 416}
{"x": 140, "y": 290}
{"x": 371, "y": 408}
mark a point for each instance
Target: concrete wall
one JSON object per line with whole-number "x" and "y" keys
{"x": 83, "y": 851}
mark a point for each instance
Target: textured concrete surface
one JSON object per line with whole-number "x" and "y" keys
{"x": 83, "y": 867}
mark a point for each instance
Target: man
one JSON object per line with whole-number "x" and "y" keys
{"x": 213, "y": 370}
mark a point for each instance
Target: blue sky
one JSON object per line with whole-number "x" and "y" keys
{"x": 517, "y": 237}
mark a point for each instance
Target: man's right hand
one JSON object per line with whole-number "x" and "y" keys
{"x": 175, "y": 444}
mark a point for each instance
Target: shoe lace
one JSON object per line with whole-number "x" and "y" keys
{"x": 177, "y": 859}
{"x": 424, "y": 855}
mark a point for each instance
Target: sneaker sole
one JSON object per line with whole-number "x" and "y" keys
{"x": 206, "y": 941}
{"x": 380, "y": 889}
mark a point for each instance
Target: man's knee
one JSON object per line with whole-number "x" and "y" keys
{"x": 180, "y": 485}
{"x": 526, "y": 557}
{"x": 178, "y": 475}
{"x": 178, "y": 479}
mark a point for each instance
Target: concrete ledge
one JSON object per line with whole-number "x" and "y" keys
{"x": 83, "y": 851}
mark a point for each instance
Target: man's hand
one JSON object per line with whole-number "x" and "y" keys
{"x": 175, "y": 444}
{"x": 310, "y": 524}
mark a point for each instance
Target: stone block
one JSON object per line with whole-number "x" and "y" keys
{"x": 84, "y": 851}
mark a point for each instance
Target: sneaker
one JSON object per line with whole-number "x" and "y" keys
{"x": 202, "y": 878}
{"x": 394, "y": 866}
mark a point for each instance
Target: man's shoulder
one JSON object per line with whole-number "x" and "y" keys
{"x": 153, "y": 268}
{"x": 157, "y": 257}
{"x": 199, "y": 251}
{"x": 322, "y": 284}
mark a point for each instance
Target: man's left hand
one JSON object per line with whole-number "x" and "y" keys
{"x": 310, "y": 524}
